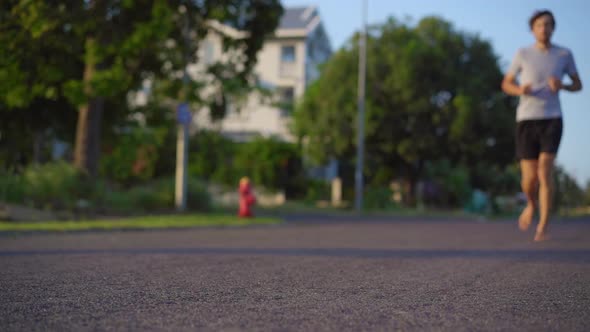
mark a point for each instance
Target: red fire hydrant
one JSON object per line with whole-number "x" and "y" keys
{"x": 247, "y": 198}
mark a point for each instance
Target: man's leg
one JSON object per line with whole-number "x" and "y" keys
{"x": 545, "y": 173}
{"x": 528, "y": 170}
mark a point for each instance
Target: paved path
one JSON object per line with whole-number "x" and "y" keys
{"x": 337, "y": 276}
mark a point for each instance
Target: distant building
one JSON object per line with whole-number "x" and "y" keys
{"x": 287, "y": 63}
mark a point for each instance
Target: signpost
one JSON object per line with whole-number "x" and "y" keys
{"x": 183, "y": 118}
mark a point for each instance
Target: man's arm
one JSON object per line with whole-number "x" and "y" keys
{"x": 572, "y": 72}
{"x": 510, "y": 87}
{"x": 555, "y": 84}
{"x": 576, "y": 84}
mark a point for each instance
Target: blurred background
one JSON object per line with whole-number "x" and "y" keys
{"x": 115, "y": 108}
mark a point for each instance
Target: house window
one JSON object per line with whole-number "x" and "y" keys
{"x": 287, "y": 66}
{"x": 286, "y": 100}
{"x": 288, "y": 54}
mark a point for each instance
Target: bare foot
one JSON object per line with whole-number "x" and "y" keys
{"x": 526, "y": 217}
{"x": 541, "y": 236}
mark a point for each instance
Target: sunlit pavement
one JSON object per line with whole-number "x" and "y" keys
{"x": 354, "y": 275}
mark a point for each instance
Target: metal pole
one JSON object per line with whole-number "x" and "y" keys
{"x": 358, "y": 203}
{"x": 182, "y": 138}
{"x": 181, "y": 166}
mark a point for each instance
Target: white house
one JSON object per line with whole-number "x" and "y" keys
{"x": 287, "y": 63}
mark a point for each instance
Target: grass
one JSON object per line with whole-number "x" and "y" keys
{"x": 149, "y": 222}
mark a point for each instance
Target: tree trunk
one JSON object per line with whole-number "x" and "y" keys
{"x": 410, "y": 191}
{"x": 87, "y": 150}
{"x": 37, "y": 147}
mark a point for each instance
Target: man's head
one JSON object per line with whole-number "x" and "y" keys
{"x": 542, "y": 24}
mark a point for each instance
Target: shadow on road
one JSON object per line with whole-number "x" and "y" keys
{"x": 542, "y": 255}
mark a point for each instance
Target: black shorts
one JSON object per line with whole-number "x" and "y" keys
{"x": 536, "y": 136}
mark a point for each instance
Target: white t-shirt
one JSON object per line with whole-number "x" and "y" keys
{"x": 536, "y": 66}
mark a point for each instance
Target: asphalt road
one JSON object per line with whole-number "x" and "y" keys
{"x": 381, "y": 275}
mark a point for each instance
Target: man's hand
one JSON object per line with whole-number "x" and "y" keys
{"x": 526, "y": 89}
{"x": 555, "y": 84}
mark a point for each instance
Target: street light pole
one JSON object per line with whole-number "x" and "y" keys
{"x": 358, "y": 203}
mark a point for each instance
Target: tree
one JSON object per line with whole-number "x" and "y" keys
{"x": 567, "y": 192}
{"x": 36, "y": 59}
{"x": 432, "y": 94}
{"x": 101, "y": 49}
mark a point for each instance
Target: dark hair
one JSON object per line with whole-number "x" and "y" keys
{"x": 540, "y": 13}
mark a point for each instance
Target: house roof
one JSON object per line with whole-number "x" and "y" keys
{"x": 296, "y": 22}
{"x": 298, "y": 17}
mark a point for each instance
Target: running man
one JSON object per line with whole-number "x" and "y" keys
{"x": 539, "y": 118}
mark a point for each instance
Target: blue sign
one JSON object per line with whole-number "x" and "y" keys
{"x": 183, "y": 114}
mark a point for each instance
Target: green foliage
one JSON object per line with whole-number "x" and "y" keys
{"x": 35, "y": 57}
{"x": 316, "y": 190}
{"x": 157, "y": 195}
{"x": 12, "y": 188}
{"x": 378, "y": 198}
{"x": 432, "y": 93}
{"x": 133, "y": 155}
{"x": 56, "y": 185}
{"x": 198, "y": 198}
{"x": 142, "y": 222}
{"x": 268, "y": 162}
{"x": 60, "y": 186}
{"x": 146, "y": 198}
{"x": 53, "y": 184}
{"x": 119, "y": 202}
{"x": 160, "y": 122}
{"x": 64, "y": 55}
{"x": 212, "y": 157}
{"x": 499, "y": 181}
{"x": 567, "y": 192}
{"x": 452, "y": 181}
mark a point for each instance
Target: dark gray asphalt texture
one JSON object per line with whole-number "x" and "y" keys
{"x": 407, "y": 275}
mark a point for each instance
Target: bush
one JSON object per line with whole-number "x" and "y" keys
{"x": 133, "y": 157}
{"x": 157, "y": 115}
{"x": 54, "y": 184}
{"x": 497, "y": 181}
{"x": 157, "y": 196}
{"x": 60, "y": 186}
{"x": 12, "y": 187}
{"x": 148, "y": 199}
{"x": 377, "y": 198}
{"x": 271, "y": 163}
{"x": 119, "y": 202}
{"x": 452, "y": 181}
{"x": 198, "y": 198}
{"x": 212, "y": 157}
{"x": 317, "y": 190}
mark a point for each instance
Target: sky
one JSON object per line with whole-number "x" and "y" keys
{"x": 504, "y": 23}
